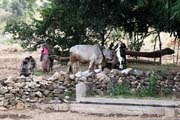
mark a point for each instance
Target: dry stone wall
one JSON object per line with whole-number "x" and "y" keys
{"x": 32, "y": 90}
{"x": 55, "y": 89}
{"x": 103, "y": 82}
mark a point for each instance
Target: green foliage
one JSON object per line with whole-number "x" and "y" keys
{"x": 17, "y": 8}
{"x": 136, "y": 44}
{"x": 62, "y": 23}
{"x": 152, "y": 88}
{"x": 38, "y": 72}
{"x": 140, "y": 92}
{"x": 69, "y": 93}
{"x": 22, "y": 31}
{"x": 120, "y": 89}
{"x": 4, "y": 4}
{"x": 70, "y": 22}
{"x": 149, "y": 91}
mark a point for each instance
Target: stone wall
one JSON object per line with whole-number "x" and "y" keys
{"x": 103, "y": 82}
{"x": 55, "y": 89}
{"x": 15, "y": 90}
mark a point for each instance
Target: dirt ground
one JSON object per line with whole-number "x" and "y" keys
{"x": 11, "y": 57}
{"x": 42, "y": 115}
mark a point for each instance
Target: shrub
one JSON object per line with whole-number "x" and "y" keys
{"x": 120, "y": 89}
{"x": 152, "y": 88}
{"x": 149, "y": 91}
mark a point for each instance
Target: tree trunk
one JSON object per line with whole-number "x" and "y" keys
{"x": 154, "y": 54}
{"x": 177, "y": 52}
{"x": 155, "y": 46}
{"x": 102, "y": 34}
{"x": 142, "y": 61}
{"x": 174, "y": 62}
{"x": 160, "y": 47}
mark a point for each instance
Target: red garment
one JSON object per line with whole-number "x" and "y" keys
{"x": 46, "y": 63}
{"x": 45, "y": 51}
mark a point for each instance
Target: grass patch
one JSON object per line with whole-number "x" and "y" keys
{"x": 127, "y": 93}
{"x": 39, "y": 72}
{"x": 148, "y": 91}
{"x": 121, "y": 89}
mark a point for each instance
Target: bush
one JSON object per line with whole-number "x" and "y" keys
{"x": 120, "y": 89}
{"x": 149, "y": 91}
{"x": 152, "y": 88}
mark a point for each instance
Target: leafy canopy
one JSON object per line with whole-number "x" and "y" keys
{"x": 70, "y": 22}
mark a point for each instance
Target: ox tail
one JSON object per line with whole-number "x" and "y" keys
{"x": 69, "y": 69}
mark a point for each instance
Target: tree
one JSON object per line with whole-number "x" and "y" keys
{"x": 5, "y": 4}
{"x": 22, "y": 31}
{"x": 70, "y": 22}
{"x": 21, "y": 7}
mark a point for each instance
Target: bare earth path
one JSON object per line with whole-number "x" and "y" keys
{"x": 41, "y": 115}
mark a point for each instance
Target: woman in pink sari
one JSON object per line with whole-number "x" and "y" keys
{"x": 47, "y": 62}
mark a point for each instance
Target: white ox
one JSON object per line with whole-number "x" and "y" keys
{"x": 91, "y": 54}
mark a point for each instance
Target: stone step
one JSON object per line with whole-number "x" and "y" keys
{"x": 135, "y": 102}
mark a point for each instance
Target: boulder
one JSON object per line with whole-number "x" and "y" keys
{"x": 102, "y": 76}
{"x": 97, "y": 70}
{"x": 137, "y": 73}
{"x": 115, "y": 72}
{"x": 72, "y": 76}
{"x": 38, "y": 94}
{"x": 126, "y": 71}
{"x": 86, "y": 74}
{"x": 105, "y": 71}
{"x": 55, "y": 76}
{"x": 3, "y": 90}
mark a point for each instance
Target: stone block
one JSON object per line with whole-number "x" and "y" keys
{"x": 170, "y": 112}
{"x": 80, "y": 90}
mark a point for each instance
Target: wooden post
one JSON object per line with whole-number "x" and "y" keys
{"x": 177, "y": 52}
{"x": 155, "y": 46}
{"x": 160, "y": 47}
{"x": 174, "y": 62}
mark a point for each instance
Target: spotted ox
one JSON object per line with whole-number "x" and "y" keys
{"x": 91, "y": 54}
{"x": 121, "y": 55}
